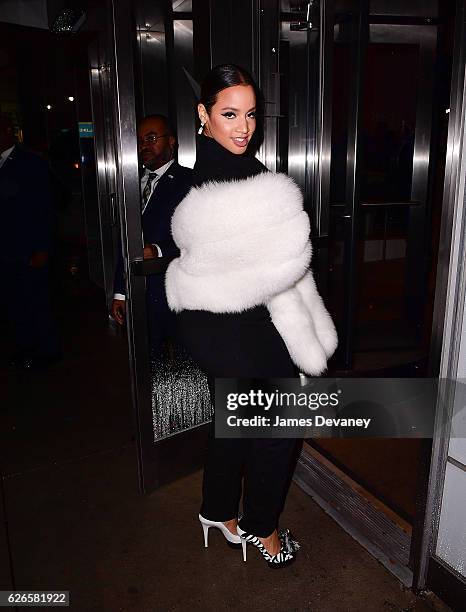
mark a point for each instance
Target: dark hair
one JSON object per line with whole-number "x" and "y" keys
{"x": 221, "y": 77}
{"x": 164, "y": 119}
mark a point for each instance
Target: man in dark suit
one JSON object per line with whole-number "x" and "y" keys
{"x": 25, "y": 244}
{"x": 164, "y": 183}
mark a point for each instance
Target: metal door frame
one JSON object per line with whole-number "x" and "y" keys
{"x": 99, "y": 84}
{"x": 321, "y": 214}
{"x": 131, "y": 231}
{"x": 159, "y": 461}
{"x": 352, "y": 196}
{"x": 450, "y": 294}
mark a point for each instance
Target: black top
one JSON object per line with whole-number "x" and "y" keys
{"x": 244, "y": 344}
{"x": 215, "y": 163}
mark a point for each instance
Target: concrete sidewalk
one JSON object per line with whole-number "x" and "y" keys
{"x": 72, "y": 518}
{"x": 82, "y": 526}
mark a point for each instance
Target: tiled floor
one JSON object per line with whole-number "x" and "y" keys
{"x": 76, "y": 521}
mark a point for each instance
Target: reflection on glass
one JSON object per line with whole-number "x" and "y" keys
{"x": 180, "y": 393}
{"x": 389, "y": 103}
{"x": 341, "y": 82}
{"x": 384, "y": 315}
{"x": 389, "y": 100}
{"x": 182, "y": 6}
{"x": 337, "y": 286}
{"x": 299, "y": 99}
{"x": 182, "y": 69}
{"x": 381, "y": 317}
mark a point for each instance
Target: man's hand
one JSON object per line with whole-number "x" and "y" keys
{"x": 150, "y": 252}
{"x": 119, "y": 311}
{"x": 39, "y": 259}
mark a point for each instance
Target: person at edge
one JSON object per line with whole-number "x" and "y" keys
{"x": 164, "y": 183}
{"x": 26, "y": 248}
{"x": 246, "y": 304}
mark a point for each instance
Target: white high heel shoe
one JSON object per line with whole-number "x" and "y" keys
{"x": 232, "y": 540}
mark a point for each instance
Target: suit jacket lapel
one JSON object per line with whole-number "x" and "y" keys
{"x": 10, "y": 158}
{"x": 164, "y": 187}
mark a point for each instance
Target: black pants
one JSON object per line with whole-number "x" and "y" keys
{"x": 266, "y": 466}
{"x": 28, "y": 308}
{"x": 243, "y": 345}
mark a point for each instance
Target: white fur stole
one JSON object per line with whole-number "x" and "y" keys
{"x": 246, "y": 243}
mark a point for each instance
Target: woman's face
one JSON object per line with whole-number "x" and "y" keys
{"x": 232, "y": 119}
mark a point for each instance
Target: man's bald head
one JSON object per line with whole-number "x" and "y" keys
{"x": 156, "y": 141}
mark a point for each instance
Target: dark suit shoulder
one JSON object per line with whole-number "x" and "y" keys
{"x": 181, "y": 172}
{"x": 24, "y": 156}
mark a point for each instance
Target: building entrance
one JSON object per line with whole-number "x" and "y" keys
{"x": 356, "y": 111}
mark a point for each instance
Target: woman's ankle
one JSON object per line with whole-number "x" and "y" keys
{"x": 231, "y": 525}
{"x": 271, "y": 543}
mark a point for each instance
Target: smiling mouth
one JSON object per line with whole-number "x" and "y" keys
{"x": 241, "y": 142}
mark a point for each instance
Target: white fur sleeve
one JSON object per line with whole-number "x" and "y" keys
{"x": 324, "y": 327}
{"x": 295, "y": 325}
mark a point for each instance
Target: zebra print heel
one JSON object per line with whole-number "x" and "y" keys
{"x": 285, "y": 557}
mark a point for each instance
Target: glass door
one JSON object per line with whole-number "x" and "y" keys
{"x": 379, "y": 206}
{"x": 170, "y": 394}
{"x": 354, "y": 131}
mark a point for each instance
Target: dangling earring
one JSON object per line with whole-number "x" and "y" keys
{"x": 199, "y": 131}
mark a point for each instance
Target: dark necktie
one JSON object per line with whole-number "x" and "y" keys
{"x": 148, "y": 188}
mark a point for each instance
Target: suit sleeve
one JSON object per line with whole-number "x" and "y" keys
{"x": 119, "y": 285}
{"x": 40, "y": 218}
{"x": 168, "y": 246}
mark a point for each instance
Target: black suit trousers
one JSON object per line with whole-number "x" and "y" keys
{"x": 28, "y": 307}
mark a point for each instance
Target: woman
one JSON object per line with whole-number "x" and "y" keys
{"x": 246, "y": 302}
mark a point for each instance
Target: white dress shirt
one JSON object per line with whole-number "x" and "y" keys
{"x": 145, "y": 177}
{"x": 5, "y": 154}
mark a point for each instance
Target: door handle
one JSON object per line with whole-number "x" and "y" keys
{"x": 146, "y": 267}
